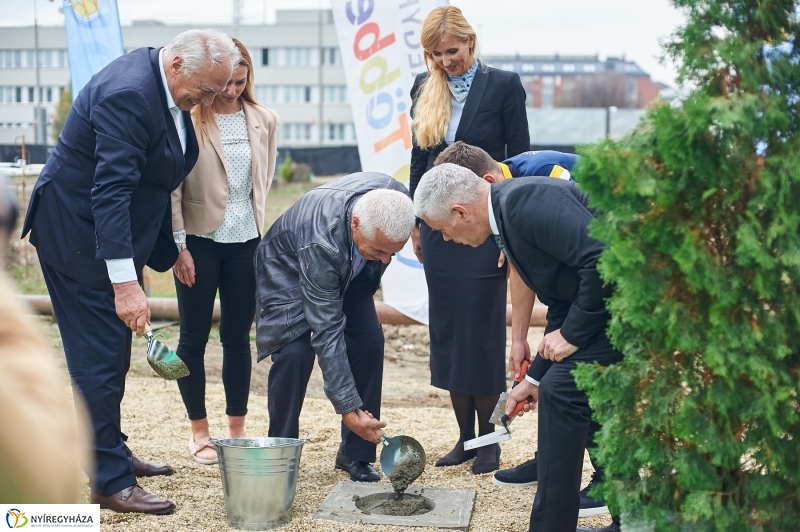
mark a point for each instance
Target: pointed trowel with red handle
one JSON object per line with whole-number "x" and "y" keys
{"x": 499, "y": 416}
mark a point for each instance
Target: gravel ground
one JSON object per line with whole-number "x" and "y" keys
{"x": 155, "y": 421}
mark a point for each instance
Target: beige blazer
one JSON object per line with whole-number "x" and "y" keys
{"x": 198, "y": 204}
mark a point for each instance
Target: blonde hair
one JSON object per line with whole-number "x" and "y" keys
{"x": 432, "y": 105}
{"x": 204, "y": 117}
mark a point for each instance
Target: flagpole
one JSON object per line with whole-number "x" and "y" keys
{"x": 38, "y": 96}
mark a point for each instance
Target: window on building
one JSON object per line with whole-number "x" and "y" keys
{"x": 18, "y": 95}
{"x": 61, "y": 58}
{"x": 334, "y": 94}
{"x": 30, "y": 58}
{"x": 292, "y": 132}
{"x": 265, "y": 57}
{"x": 296, "y": 94}
{"x": 548, "y": 67}
{"x": 527, "y": 67}
{"x": 336, "y": 132}
{"x": 589, "y": 68}
{"x": 568, "y": 67}
{"x": 547, "y": 91}
{"x": 31, "y": 98}
{"x": 331, "y": 56}
{"x": 267, "y": 94}
{"x": 46, "y": 58}
{"x": 46, "y": 94}
{"x": 294, "y": 57}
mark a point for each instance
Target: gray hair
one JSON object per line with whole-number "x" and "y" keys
{"x": 446, "y": 185}
{"x": 388, "y": 210}
{"x": 203, "y": 48}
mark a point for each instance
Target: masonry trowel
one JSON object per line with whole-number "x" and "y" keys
{"x": 499, "y": 416}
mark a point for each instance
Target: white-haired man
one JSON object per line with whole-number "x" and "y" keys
{"x": 317, "y": 269}
{"x": 541, "y": 224}
{"x": 100, "y": 211}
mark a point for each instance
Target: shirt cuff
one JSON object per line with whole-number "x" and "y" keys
{"x": 179, "y": 236}
{"x": 531, "y": 380}
{"x": 121, "y": 270}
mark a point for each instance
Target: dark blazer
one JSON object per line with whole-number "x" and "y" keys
{"x": 105, "y": 190}
{"x": 494, "y": 119}
{"x": 304, "y": 265}
{"x": 543, "y": 225}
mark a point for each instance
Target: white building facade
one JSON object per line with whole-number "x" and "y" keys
{"x": 298, "y": 73}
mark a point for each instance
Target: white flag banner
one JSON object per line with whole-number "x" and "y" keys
{"x": 379, "y": 41}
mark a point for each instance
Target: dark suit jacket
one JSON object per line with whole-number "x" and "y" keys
{"x": 493, "y": 119}
{"x": 105, "y": 190}
{"x": 304, "y": 265}
{"x": 543, "y": 225}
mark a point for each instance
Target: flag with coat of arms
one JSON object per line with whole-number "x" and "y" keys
{"x": 94, "y": 38}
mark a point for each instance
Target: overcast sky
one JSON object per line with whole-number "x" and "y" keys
{"x": 630, "y": 28}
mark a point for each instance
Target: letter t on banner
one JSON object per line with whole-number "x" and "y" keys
{"x": 379, "y": 41}
{"x": 94, "y": 38}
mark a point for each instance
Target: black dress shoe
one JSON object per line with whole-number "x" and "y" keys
{"x": 142, "y": 468}
{"x": 359, "y": 471}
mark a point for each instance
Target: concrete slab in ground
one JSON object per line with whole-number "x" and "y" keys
{"x": 453, "y": 507}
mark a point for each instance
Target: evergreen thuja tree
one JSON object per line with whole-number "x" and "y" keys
{"x": 700, "y": 209}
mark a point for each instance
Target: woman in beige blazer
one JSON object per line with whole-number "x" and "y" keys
{"x": 217, "y": 221}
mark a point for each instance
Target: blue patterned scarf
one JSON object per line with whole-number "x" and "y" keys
{"x": 459, "y": 85}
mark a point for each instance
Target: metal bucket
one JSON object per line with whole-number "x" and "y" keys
{"x": 259, "y": 477}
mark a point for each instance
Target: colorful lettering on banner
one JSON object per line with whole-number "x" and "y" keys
{"x": 381, "y": 53}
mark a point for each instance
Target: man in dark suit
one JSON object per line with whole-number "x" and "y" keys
{"x": 100, "y": 211}
{"x": 317, "y": 269}
{"x": 541, "y": 224}
{"x": 546, "y": 163}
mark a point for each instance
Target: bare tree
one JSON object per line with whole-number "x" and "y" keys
{"x": 601, "y": 90}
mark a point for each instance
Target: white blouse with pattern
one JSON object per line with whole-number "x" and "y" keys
{"x": 239, "y": 224}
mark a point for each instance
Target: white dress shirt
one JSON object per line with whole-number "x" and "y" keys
{"x": 123, "y": 270}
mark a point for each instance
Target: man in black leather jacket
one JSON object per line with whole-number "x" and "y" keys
{"x": 317, "y": 269}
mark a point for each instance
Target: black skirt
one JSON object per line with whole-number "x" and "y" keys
{"x": 467, "y": 313}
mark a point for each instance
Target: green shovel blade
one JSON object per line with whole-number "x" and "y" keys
{"x": 163, "y": 360}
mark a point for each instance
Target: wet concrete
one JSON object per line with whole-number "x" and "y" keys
{"x": 451, "y": 508}
{"x": 391, "y": 504}
{"x": 406, "y": 472}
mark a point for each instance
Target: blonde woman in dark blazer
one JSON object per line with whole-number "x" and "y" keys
{"x": 460, "y": 98}
{"x": 218, "y": 219}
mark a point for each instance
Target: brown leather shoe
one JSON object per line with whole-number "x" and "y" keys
{"x": 134, "y": 499}
{"x": 142, "y": 468}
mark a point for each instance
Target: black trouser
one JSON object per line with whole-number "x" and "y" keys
{"x": 229, "y": 268}
{"x": 292, "y": 365}
{"x": 565, "y": 430}
{"x": 97, "y": 345}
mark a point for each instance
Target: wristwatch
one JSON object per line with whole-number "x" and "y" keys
{"x": 181, "y": 246}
